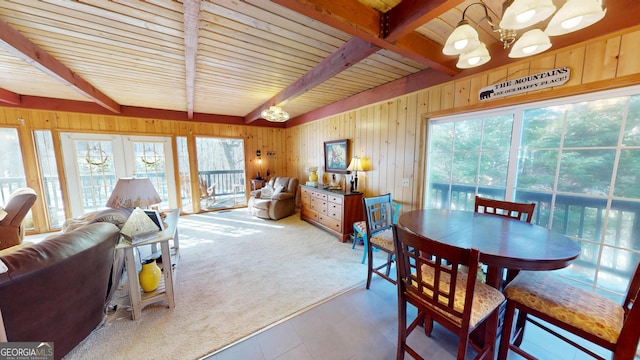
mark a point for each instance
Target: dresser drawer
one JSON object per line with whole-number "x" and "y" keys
{"x": 308, "y": 213}
{"x": 335, "y": 199}
{"x": 335, "y": 211}
{"x": 318, "y": 205}
{"x": 330, "y": 222}
{"x": 319, "y": 195}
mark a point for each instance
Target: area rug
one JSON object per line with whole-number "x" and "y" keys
{"x": 236, "y": 275}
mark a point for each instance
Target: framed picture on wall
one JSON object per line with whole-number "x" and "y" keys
{"x": 336, "y": 156}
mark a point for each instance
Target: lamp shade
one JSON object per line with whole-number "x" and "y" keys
{"x": 463, "y": 39}
{"x": 532, "y": 42}
{"x": 355, "y": 164}
{"x": 575, "y": 15}
{"x": 474, "y": 58}
{"x": 132, "y": 192}
{"x": 524, "y": 13}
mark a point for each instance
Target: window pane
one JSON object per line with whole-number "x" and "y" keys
{"x": 50, "y": 178}
{"x": 622, "y": 225}
{"x": 537, "y": 169}
{"x": 465, "y": 167}
{"x": 496, "y": 133}
{"x": 628, "y": 175}
{"x": 616, "y": 268}
{"x": 493, "y": 169}
{"x": 632, "y": 127}
{"x": 542, "y": 128}
{"x": 594, "y": 123}
{"x": 467, "y": 135}
{"x": 586, "y": 171}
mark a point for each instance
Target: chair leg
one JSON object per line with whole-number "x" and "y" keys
{"x": 402, "y": 328}
{"x": 505, "y": 338}
{"x": 369, "y": 266}
{"x": 365, "y": 243}
{"x": 389, "y": 259}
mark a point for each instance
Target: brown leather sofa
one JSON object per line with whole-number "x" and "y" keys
{"x": 278, "y": 204}
{"x": 56, "y": 290}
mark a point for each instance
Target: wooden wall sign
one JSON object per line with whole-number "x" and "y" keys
{"x": 524, "y": 84}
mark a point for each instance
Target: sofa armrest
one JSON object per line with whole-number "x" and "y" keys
{"x": 282, "y": 196}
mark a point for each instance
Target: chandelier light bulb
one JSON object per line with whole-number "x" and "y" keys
{"x": 461, "y": 44}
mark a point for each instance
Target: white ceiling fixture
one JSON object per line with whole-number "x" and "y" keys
{"x": 520, "y": 14}
{"x": 275, "y": 114}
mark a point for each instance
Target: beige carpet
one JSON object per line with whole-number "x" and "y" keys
{"x": 236, "y": 274}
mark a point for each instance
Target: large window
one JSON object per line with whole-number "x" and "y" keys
{"x": 577, "y": 159}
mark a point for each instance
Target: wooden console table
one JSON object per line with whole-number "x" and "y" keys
{"x": 164, "y": 292}
{"x": 331, "y": 210}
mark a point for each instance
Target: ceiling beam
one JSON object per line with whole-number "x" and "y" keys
{"x": 409, "y": 15}
{"x": 352, "y": 52}
{"x": 403, "y": 86}
{"x": 191, "y": 26}
{"x": 9, "y": 97}
{"x": 346, "y": 15}
{"x": 17, "y": 44}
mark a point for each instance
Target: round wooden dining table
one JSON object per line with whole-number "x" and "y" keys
{"x": 504, "y": 243}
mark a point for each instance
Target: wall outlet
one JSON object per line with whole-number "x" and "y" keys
{"x": 405, "y": 182}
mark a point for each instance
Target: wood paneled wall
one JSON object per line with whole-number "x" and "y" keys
{"x": 255, "y": 138}
{"x": 392, "y": 133}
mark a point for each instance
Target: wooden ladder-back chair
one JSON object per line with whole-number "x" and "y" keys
{"x": 514, "y": 210}
{"x": 459, "y": 302}
{"x": 379, "y": 218}
{"x": 581, "y": 312}
{"x": 520, "y": 211}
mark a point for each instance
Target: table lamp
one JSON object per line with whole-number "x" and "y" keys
{"x": 355, "y": 166}
{"x": 132, "y": 192}
{"x": 135, "y": 193}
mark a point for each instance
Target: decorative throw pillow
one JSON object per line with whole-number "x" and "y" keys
{"x": 278, "y": 190}
{"x": 266, "y": 191}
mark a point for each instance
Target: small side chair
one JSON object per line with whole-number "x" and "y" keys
{"x": 360, "y": 229}
{"x": 378, "y": 219}
{"x": 584, "y": 313}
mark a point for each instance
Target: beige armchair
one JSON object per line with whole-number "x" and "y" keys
{"x": 276, "y": 200}
{"x": 20, "y": 202}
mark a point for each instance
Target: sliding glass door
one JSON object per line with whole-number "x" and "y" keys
{"x": 577, "y": 159}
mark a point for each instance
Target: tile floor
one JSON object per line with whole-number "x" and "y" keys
{"x": 361, "y": 324}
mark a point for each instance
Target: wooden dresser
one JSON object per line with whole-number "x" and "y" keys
{"x": 330, "y": 210}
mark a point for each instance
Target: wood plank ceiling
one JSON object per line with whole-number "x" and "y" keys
{"x": 233, "y": 58}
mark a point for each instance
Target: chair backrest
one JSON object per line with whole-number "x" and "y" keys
{"x": 422, "y": 263}
{"x": 378, "y": 213}
{"x": 20, "y": 202}
{"x": 630, "y": 333}
{"x": 520, "y": 211}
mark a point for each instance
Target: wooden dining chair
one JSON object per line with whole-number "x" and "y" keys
{"x": 378, "y": 219}
{"x": 360, "y": 229}
{"x": 514, "y": 210}
{"x": 430, "y": 277}
{"x": 580, "y": 312}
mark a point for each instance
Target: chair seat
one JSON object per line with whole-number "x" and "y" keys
{"x": 575, "y": 306}
{"x": 360, "y": 227}
{"x": 384, "y": 239}
{"x": 485, "y": 297}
